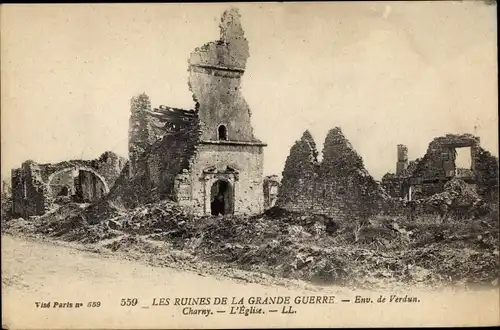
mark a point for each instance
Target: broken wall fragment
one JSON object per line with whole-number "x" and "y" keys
{"x": 339, "y": 186}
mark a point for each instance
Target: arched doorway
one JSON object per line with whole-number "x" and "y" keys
{"x": 221, "y": 197}
{"x": 80, "y": 184}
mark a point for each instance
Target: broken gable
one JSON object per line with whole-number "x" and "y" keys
{"x": 339, "y": 186}
{"x": 299, "y": 171}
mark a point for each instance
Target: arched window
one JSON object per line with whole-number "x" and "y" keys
{"x": 222, "y": 132}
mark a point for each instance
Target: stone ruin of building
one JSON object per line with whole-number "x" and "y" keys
{"x": 428, "y": 175}
{"x": 37, "y": 187}
{"x": 339, "y": 186}
{"x": 192, "y": 156}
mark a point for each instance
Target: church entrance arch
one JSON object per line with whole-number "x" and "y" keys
{"x": 221, "y": 196}
{"x": 220, "y": 189}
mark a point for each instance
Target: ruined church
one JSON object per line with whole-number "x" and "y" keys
{"x": 207, "y": 159}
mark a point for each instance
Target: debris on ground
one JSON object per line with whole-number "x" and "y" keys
{"x": 292, "y": 245}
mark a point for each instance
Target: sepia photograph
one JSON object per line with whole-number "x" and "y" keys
{"x": 238, "y": 165}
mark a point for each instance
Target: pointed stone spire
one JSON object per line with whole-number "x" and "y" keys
{"x": 309, "y": 139}
{"x": 344, "y": 174}
{"x": 338, "y": 154}
{"x": 300, "y": 170}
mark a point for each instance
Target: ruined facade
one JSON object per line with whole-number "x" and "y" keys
{"x": 427, "y": 176}
{"x": 339, "y": 186}
{"x": 210, "y": 152}
{"x": 36, "y": 187}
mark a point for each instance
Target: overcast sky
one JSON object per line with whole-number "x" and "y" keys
{"x": 386, "y": 73}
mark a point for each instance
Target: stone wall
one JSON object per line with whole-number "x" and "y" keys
{"x": 109, "y": 165}
{"x": 29, "y": 191}
{"x": 393, "y": 185}
{"x": 339, "y": 186}
{"x": 141, "y": 132}
{"x": 90, "y": 187}
{"x": 239, "y": 164}
{"x": 297, "y": 192}
{"x": 170, "y": 157}
{"x": 486, "y": 172}
{"x": 156, "y": 169}
{"x": 427, "y": 176}
{"x": 439, "y": 160}
{"x": 36, "y": 186}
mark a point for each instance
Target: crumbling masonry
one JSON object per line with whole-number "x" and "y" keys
{"x": 209, "y": 161}
{"x": 427, "y": 176}
{"x": 196, "y": 156}
{"x": 36, "y": 187}
{"x": 339, "y": 186}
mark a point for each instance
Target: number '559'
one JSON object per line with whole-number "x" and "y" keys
{"x": 128, "y": 302}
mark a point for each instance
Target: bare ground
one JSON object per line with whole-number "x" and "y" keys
{"x": 35, "y": 269}
{"x": 34, "y": 262}
{"x": 284, "y": 249}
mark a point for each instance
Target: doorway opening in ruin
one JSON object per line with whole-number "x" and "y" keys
{"x": 64, "y": 191}
{"x": 222, "y": 132}
{"x": 221, "y": 197}
{"x": 463, "y": 161}
{"x": 89, "y": 187}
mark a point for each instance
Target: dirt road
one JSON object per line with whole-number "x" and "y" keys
{"x": 35, "y": 272}
{"x": 34, "y": 266}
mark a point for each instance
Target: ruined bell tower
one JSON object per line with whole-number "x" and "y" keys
{"x": 215, "y": 78}
{"x": 228, "y": 166}
{"x": 207, "y": 159}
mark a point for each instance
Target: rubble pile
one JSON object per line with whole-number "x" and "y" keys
{"x": 292, "y": 245}
{"x": 289, "y": 250}
{"x": 62, "y": 222}
{"x": 458, "y": 200}
{"x": 18, "y": 226}
{"x": 68, "y": 224}
{"x": 164, "y": 217}
{"x": 299, "y": 246}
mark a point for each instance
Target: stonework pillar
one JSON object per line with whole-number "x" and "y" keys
{"x": 206, "y": 195}
{"x": 402, "y": 163}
